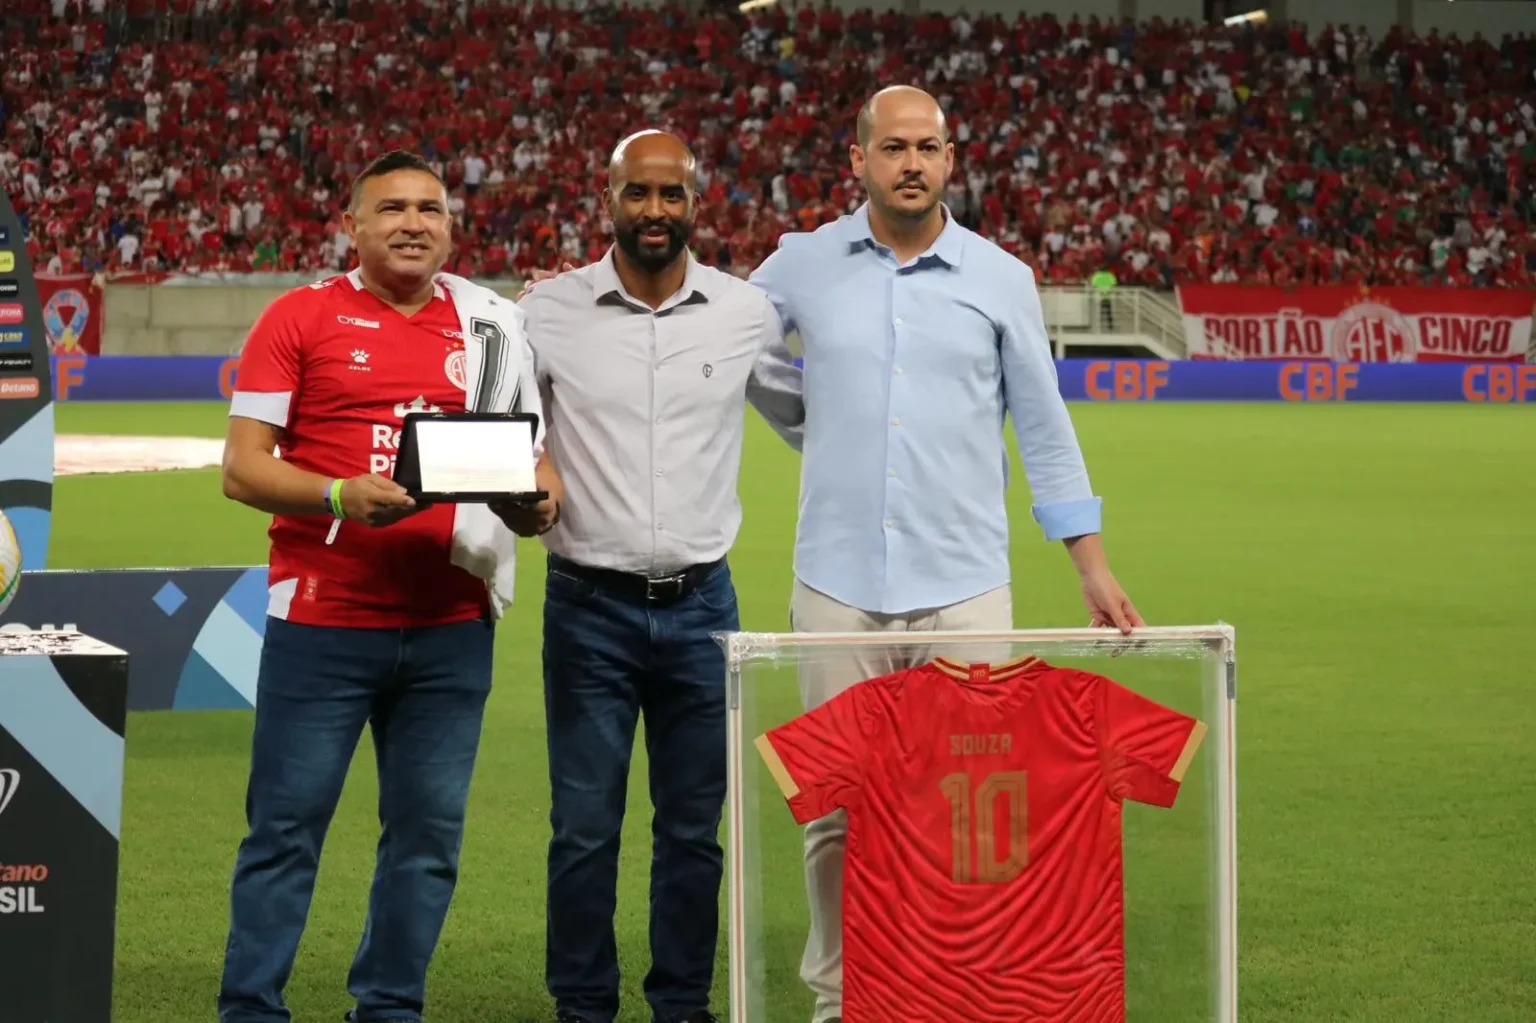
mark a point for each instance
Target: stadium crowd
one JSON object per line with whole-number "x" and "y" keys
{"x": 203, "y": 135}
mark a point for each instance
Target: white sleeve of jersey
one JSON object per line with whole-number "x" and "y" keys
{"x": 266, "y": 406}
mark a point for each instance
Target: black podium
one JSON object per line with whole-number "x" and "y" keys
{"x": 63, "y": 711}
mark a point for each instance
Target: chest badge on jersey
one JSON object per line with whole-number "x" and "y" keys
{"x": 455, "y": 366}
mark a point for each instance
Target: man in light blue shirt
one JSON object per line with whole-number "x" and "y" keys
{"x": 918, "y": 337}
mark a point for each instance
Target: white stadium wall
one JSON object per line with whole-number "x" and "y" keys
{"x": 210, "y": 319}
{"x": 144, "y": 319}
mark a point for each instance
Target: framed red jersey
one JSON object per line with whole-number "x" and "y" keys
{"x": 983, "y": 877}
{"x": 337, "y": 370}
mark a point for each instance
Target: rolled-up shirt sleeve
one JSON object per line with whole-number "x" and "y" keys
{"x": 1063, "y": 500}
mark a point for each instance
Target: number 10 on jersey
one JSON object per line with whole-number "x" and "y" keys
{"x": 975, "y": 828}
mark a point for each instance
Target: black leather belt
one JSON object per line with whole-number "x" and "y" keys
{"x": 632, "y": 586}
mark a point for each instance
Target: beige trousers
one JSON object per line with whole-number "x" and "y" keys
{"x": 822, "y": 676}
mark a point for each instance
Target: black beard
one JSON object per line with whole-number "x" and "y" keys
{"x": 650, "y": 260}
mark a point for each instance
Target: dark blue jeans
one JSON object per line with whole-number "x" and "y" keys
{"x": 608, "y": 660}
{"x": 423, "y": 691}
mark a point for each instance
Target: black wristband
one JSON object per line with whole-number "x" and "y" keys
{"x": 552, "y": 522}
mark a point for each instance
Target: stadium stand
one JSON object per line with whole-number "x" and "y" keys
{"x": 219, "y": 135}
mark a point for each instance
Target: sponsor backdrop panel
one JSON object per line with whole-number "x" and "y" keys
{"x": 26, "y": 398}
{"x": 63, "y": 712}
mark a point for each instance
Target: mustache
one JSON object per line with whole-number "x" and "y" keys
{"x": 916, "y": 182}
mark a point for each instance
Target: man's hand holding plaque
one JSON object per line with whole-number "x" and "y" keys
{"x": 376, "y": 500}
{"x": 528, "y": 519}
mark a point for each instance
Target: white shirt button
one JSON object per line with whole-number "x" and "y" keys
{"x": 890, "y": 523}
{"x": 658, "y": 472}
{"x": 898, "y": 321}
{"x": 893, "y": 474}
{"x": 898, "y": 371}
{"x": 896, "y": 421}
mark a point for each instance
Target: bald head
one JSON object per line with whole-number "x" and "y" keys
{"x": 905, "y": 104}
{"x": 652, "y": 179}
{"x": 903, "y": 155}
{"x": 650, "y": 148}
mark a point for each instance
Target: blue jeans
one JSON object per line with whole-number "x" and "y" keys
{"x": 423, "y": 691}
{"x": 607, "y": 660}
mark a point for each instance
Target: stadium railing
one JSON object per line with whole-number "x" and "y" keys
{"x": 1077, "y": 316}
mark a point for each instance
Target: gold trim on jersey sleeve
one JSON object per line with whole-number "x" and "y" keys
{"x": 775, "y": 765}
{"x": 1196, "y": 736}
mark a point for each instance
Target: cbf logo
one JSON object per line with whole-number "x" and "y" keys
{"x": 65, "y": 317}
{"x": 10, "y": 781}
{"x": 1372, "y": 332}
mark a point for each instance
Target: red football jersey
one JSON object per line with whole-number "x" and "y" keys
{"x": 338, "y": 370}
{"x": 983, "y": 878}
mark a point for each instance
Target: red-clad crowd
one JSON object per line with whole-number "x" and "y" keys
{"x": 220, "y": 135}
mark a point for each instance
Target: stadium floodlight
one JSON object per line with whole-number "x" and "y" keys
{"x": 1155, "y": 709}
{"x": 1257, "y": 17}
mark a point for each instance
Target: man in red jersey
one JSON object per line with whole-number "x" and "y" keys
{"x": 983, "y": 879}
{"x": 371, "y": 619}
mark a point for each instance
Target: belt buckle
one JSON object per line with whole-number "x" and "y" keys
{"x": 654, "y": 584}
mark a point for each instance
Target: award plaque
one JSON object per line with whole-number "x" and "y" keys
{"x": 468, "y": 457}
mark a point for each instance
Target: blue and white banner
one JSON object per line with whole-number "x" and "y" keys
{"x": 211, "y": 377}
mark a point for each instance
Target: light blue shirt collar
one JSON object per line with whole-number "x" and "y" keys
{"x": 946, "y": 248}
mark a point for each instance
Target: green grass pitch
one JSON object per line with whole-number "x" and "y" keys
{"x": 1376, "y": 560}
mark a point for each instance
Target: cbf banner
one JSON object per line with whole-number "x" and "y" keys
{"x": 1348, "y": 323}
{"x": 72, "y": 307}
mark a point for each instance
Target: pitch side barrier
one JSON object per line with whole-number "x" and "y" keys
{"x": 211, "y": 378}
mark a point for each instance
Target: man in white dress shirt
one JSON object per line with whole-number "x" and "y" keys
{"x": 645, "y": 361}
